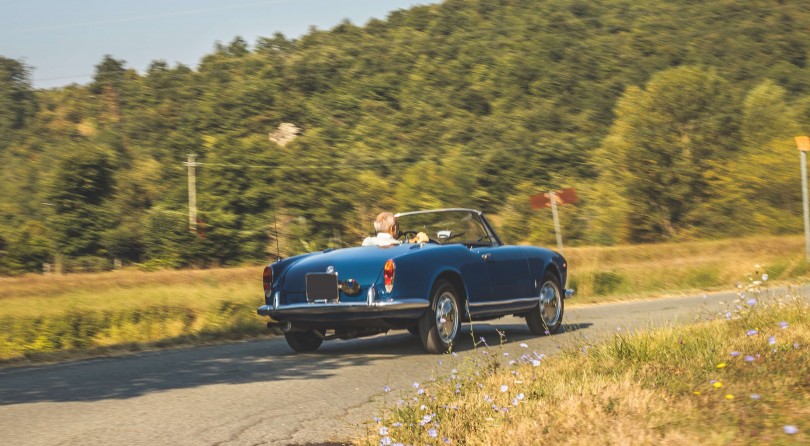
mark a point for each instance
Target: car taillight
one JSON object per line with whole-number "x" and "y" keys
{"x": 388, "y": 275}
{"x": 267, "y": 278}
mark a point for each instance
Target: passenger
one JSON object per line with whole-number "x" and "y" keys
{"x": 388, "y": 232}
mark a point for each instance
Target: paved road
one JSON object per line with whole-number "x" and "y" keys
{"x": 259, "y": 392}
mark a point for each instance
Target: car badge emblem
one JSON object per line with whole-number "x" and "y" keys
{"x": 330, "y": 269}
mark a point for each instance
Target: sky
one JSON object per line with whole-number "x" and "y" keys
{"x": 63, "y": 40}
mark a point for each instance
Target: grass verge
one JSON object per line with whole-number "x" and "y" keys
{"x": 56, "y": 317}
{"x": 742, "y": 378}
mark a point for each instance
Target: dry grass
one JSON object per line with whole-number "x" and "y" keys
{"x": 676, "y": 386}
{"x": 602, "y": 274}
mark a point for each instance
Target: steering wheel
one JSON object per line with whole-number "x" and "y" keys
{"x": 407, "y": 235}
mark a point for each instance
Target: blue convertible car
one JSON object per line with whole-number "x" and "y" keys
{"x": 463, "y": 273}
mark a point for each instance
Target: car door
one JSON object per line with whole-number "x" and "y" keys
{"x": 508, "y": 270}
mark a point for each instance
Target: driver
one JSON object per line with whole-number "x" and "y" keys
{"x": 388, "y": 231}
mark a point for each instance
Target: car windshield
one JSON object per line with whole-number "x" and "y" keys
{"x": 444, "y": 227}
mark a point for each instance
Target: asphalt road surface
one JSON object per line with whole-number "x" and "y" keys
{"x": 259, "y": 392}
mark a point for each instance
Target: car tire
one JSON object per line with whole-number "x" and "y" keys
{"x": 440, "y": 325}
{"x": 546, "y": 317}
{"x": 304, "y": 341}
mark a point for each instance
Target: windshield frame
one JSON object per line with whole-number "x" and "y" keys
{"x": 477, "y": 215}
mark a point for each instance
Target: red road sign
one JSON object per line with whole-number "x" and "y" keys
{"x": 564, "y": 196}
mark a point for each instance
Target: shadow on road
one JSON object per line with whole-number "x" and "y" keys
{"x": 238, "y": 363}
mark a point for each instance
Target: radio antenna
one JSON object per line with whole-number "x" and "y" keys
{"x": 275, "y": 226}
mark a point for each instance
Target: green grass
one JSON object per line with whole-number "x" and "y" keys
{"x": 680, "y": 385}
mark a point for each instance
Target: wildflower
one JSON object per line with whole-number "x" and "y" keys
{"x": 751, "y": 332}
{"x": 445, "y": 440}
{"x": 696, "y": 392}
{"x": 749, "y": 358}
{"x": 535, "y": 362}
{"x": 795, "y": 345}
{"x": 755, "y": 396}
{"x": 618, "y": 328}
{"x": 547, "y": 332}
{"x": 729, "y": 396}
{"x": 783, "y": 325}
{"x": 705, "y": 296}
{"x": 506, "y": 353}
{"x": 487, "y": 399}
{"x": 524, "y": 345}
{"x": 420, "y": 391}
{"x": 454, "y": 371}
{"x": 376, "y": 419}
{"x": 520, "y": 396}
{"x": 426, "y": 419}
{"x": 717, "y": 384}
{"x": 515, "y": 401}
{"x": 383, "y": 431}
{"x": 722, "y": 365}
{"x": 751, "y": 302}
{"x": 397, "y": 424}
{"x": 512, "y": 362}
{"x": 416, "y": 385}
{"x": 432, "y": 432}
{"x": 385, "y": 441}
{"x": 483, "y": 341}
{"x": 386, "y": 389}
{"x": 772, "y": 340}
{"x": 422, "y": 407}
{"x": 791, "y": 429}
{"x": 764, "y": 277}
{"x": 504, "y": 388}
{"x": 728, "y": 315}
{"x": 734, "y": 354}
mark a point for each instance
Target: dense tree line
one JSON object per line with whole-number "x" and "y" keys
{"x": 672, "y": 119}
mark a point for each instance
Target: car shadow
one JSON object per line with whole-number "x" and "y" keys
{"x": 235, "y": 363}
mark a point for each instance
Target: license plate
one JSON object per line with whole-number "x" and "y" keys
{"x": 322, "y": 287}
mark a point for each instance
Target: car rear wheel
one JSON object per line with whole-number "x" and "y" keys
{"x": 439, "y": 325}
{"x": 304, "y": 341}
{"x": 546, "y": 317}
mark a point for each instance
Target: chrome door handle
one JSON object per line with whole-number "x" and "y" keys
{"x": 486, "y": 257}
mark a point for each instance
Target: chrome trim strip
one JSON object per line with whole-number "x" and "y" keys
{"x": 504, "y": 302}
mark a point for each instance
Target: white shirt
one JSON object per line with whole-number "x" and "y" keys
{"x": 382, "y": 239}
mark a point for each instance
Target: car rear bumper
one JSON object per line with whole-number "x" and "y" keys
{"x": 397, "y": 309}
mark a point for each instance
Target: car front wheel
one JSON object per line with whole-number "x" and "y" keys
{"x": 440, "y": 325}
{"x": 304, "y": 341}
{"x": 546, "y": 317}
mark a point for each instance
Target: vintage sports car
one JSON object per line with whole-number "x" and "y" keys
{"x": 463, "y": 273}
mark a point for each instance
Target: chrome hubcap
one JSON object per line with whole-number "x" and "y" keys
{"x": 549, "y": 303}
{"x": 446, "y": 317}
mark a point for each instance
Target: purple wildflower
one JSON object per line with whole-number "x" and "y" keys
{"x": 504, "y": 388}
{"x": 751, "y": 302}
{"x": 755, "y": 396}
{"x": 791, "y": 429}
{"x": 783, "y": 325}
{"x": 749, "y": 358}
{"x": 385, "y": 441}
{"x": 535, "y": 362}
{"x": 734, "y": 354}
{"x": 772, "y": 340}
{"x": 386, "y": 389}
{"x": 397, "y": 424}
{"x": 524, "y": 345}
{"x": 432, "y": 432}
{"x": 751, "y": 332}
{"x": 383, "y": 431}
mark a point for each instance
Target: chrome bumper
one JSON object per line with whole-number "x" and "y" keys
{"x": 354, "y": 307}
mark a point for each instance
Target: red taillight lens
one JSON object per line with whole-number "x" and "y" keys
{"x": 388, "y": 274}
{"x": 267, "y": 278}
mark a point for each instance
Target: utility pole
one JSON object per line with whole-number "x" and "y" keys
{"x": 803, "y": 143}
{"x": 192, "y": 193}
{"x": 552, "y": 196}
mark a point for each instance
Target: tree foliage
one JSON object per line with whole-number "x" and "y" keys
{"x": 672, "y": 119}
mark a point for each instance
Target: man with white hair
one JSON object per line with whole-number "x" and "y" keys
{"x": 387, "y": 230}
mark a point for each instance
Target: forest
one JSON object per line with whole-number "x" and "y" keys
{"x": 673, "y": 120}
